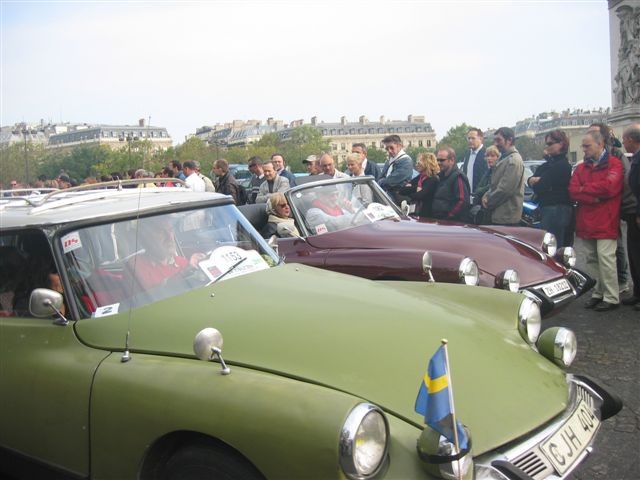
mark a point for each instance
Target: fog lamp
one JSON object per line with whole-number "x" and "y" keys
{"x": 559, "y": 345}
{"x": 468, "y": 272}
{"x": 549, "y": 244}
{"x": 567, "y": 255}
{"x": 508, "y": 280}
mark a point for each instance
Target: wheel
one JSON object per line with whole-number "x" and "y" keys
{"x": 205, "y": 461}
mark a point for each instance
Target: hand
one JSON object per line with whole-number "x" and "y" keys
{"x": 196, "y": 258}
{"x": 485, "y": 201}
{"x": 533, "y": 181}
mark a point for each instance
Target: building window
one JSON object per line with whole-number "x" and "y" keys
{"x": 342, "y": 146}
{"x": 373, "y": 144}
{"x": 428, "y": 143}
{"x": 420, "y": 144}
{"x": 334, "y": 147}
{"x": 410, "y": 143}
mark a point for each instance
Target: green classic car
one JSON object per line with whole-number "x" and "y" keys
{"x": 111, "y": 297}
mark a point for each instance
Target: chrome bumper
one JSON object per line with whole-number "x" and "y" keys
{"x": 579, "y": 281}
{"x": 524, "y": 459}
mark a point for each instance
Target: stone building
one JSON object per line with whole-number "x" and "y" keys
{"x": 574, "y": 123}
{"x": 113, "y": 136}
{"x": 413, "y": 131}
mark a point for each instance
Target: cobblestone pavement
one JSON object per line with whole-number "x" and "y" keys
{"x": 609, "y": 349}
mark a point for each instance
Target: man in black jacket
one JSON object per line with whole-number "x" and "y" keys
{"x": 631, "y": 141}
{"x": 451, "y": 200}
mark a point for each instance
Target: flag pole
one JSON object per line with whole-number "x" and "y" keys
{"x": 453, "y": 409}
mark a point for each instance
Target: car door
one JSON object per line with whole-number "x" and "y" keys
{"x": 45, "y": 383}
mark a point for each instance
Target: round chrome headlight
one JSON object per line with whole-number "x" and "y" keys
{"x": 549, "y": 244}
{"x": 567, "y": 255}
{"x": 468, "y": 272}
{"x": 559, "y": 345}
{"x": 427, "y": 262}
{"x": 508, "y": 280}
{"x": 363, "y": 442}
{"x": 529, "y": 320}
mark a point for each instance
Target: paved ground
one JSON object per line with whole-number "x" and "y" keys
{"x": 609, "y": 349}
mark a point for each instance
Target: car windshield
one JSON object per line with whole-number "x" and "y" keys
{"x": 129, "y": 263}
{"x": 332, "y": 206}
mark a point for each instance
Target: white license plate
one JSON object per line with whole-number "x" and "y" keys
{"x": 556, "y": 287}
{"x": 564, "y": 447}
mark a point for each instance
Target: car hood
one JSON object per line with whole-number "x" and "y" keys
{"x": 370, "y": 339}
{"x": 494, "y": 252}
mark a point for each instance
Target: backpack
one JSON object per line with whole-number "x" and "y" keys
{"x": 208, "y": 184}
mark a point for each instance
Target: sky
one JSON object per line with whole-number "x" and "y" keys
{"x": 189, "y": 64}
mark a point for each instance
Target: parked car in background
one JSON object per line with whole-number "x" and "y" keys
{"x": 174, "y": 344}
{"x": 375, "y": 240}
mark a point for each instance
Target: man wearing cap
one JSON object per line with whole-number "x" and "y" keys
{"x": 192, "y": 179}
{"x": 313, "y": 165}
{"x": 369, "y": 168}
{"x": 329, "y": 212}
{"x": 208, "y": 184}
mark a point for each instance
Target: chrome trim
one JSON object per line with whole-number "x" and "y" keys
{"x": 525, "y": 244}
{"x": 347, "y": 441}
{"x": 526, "y": 454}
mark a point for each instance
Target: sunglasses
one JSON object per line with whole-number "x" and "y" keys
{"x": 442, "y": 159}
{"x": 548, "y": 144}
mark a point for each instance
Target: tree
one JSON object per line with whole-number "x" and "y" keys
{"x": 529, "y": 149}
{"x": 456, "y": 138}
{"x": 18, "y": 160}
{"x": 376, "y": 155}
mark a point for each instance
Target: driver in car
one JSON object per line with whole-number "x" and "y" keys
{"x": 160, "y": 260}
{"x": 329, "y": 211}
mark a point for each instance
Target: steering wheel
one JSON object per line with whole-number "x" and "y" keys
{"x": 358, "y": 213}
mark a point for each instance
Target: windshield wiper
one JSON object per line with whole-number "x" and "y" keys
{"x": 230, "y": 269}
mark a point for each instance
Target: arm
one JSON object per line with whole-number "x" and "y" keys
{"x": 461, "y": 191}
{"x": 263, "y": 193}
{"x": 402, "y": 171}
{"x": 508, "y": 183}
{"x": 608, "y": 187}
{"x": 575, "y": 188}
{"x": 282, "y": 184}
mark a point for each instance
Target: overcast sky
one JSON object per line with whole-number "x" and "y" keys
{"x": 189, "y": 64}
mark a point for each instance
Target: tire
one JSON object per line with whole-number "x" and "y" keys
{"x": 205, "y": 461}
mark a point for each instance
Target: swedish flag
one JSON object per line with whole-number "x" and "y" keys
{"x": 433, "y": 400}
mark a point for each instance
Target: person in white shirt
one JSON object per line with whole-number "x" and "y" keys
{"x": 474, "y": 165}
{"x": 192, "y": 179}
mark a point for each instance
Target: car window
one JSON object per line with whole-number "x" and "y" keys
{"x": 134, "y": 262}
{"x": 337, "y": 206}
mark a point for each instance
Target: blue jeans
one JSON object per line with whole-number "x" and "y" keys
{"x": 557, "y": 220}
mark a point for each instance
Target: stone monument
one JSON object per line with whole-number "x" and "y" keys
{"x": 624, "y": 31}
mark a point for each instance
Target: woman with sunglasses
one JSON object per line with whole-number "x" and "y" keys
{"x": 551, "y": 187}
{"x": 280, "y": 222}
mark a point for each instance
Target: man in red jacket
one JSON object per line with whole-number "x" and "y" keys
{"x": 596, "y": 185}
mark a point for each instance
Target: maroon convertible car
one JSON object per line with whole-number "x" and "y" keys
{"x": 365, "y": 234}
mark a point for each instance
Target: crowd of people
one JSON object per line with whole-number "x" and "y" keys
{"x": 588, "y": 201}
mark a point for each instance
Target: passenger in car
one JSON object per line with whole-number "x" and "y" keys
{"x": 280, "y": 222}
{"x": 328, "y": 212}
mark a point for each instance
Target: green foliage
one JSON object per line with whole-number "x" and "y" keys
{"x": 17, "y": 160}
{"x": 456, "y": 138}
{"x": 413, "y": 152}
{"x": 376, "y": 155}
{"x": 529, "y": 149}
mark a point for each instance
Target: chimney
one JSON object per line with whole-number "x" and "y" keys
{"x": 343, "y": 120}
{"x": 363, "y": 120}
{"x": 314, "y": 121}
{"x": 141, "y": 122}
{"x": 381, "y": 118}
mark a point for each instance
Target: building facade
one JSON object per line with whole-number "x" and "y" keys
{"x": 413, "y": 131}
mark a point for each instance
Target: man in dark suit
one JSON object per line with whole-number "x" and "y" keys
{"x": 474, "y": 166}
{"x": 370, "y": 168}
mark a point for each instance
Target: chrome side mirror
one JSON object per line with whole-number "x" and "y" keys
{"x": 45, "y": 303}
{"x": 207, "y": 345}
